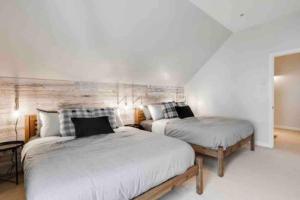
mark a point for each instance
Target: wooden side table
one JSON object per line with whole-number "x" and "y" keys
{"x": 134, "y": 126}
{"x": 12, "y": 146}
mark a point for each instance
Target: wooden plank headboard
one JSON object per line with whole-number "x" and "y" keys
{"x": 30, "y": 126}
{"x": 139, "y": 116}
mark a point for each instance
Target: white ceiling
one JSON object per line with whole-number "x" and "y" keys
{"x": 141, "y": 41}
{"x": 227, "y": 12}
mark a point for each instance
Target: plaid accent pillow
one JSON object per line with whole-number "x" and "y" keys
{"x": 109, "y": 112}
{"x": 169, "y": 110}
{"x": 66, "y": 125}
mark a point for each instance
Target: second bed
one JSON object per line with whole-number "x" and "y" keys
{"x": 212, "y": 136}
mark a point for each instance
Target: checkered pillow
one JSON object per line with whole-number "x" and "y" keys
{"x": 110, "y": 112}
{"x": 169, "y": 110}
{"x": 66, "y": 125}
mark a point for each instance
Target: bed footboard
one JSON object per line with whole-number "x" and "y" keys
{"x": 164, "y": 188}
{"x": 220, "y": 153}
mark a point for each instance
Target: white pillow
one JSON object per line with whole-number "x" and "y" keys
{"x": 156, "y": 111}
{"x": 49, "y": 123}
{"x": 147, "y": 113}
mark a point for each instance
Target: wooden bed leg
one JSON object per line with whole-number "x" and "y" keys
{"x": 252, "y": 142}
{"x": 221, "y": 161}
{"x": 199, "y": 177}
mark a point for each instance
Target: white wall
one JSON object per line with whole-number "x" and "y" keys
{"x": 161, "y": 42}
{"x": 287, "y": 92}
{"x": 237, "y": 80}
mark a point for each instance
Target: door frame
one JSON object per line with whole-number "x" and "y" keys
{"x": 271, "y": 90}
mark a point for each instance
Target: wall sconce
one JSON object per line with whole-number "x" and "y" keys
{"x": 124, "y": 99}
{"x": 139, "y": 98}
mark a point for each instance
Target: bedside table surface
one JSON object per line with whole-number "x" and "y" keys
{"x": 5, "y": 146}
{"x": 13, "y": 146}
{"x": 134, "y": 126}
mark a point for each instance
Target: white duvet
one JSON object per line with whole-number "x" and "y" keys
{"x": 113, "y": 167}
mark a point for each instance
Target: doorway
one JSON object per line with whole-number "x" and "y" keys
{"x": 286, "y": 98}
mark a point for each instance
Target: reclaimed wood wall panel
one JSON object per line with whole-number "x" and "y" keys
{"x": 54, "y": 94}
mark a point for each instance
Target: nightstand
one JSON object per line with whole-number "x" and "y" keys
{"x": 12, "y": 146}
{"x": 135, "y": 126}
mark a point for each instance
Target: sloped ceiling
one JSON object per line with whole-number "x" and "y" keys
{"x": 161, "y": 42}
{"x": 254, "y": 12}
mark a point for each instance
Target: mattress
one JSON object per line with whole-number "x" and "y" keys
{"x": 210, "y": 132}
{"x": 147, "y": 125}
{"x": 112, "y": 166}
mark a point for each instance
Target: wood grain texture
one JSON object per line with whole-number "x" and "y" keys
{"x": 138, "y": 116}
{"x": 199, "y": 177}
{"x": 220, "y": 161}
{"x": 54, "y": 94}
{"x": 30, "y": 127}
{"x": 252, "y": 143}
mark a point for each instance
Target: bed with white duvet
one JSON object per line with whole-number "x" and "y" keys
{"x": 209, "y": 132}
{"x": 208, "y": 135}
{"x": 115, "y": 166}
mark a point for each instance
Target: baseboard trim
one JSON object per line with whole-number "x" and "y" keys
{"x": 287, "y": 128}
{"x": 263, "y": 144}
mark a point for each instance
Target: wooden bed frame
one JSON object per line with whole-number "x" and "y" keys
{"x": 219, "y": 153}
{"x": 154, "y": 193}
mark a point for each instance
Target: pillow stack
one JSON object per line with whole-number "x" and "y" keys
{"x": 168, "y": 110}
{"x": 67, "y": 127}
{"x": 77, "y": 122}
